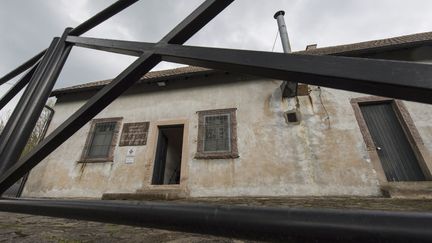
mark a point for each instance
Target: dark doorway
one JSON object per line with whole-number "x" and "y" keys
{"x": 167, "y": 164}
{"x": 393, "y": 147}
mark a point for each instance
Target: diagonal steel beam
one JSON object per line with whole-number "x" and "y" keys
{"x": 20, "y": 84}
{"x": 324, "y": 71}
{"x": 397, "y": 79}
{"x": 195, "y": 21}
{"x": 103, "y": 15}
{"x": 22, "y": 121}
{"x": 25, "y": 115}
{"x": 189, "y": 26}
{"x": 79, "y": 30}
{"x": 17, "y": 71}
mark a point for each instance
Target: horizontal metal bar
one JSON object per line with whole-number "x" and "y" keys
{"x": 397, "y": 79}
{"x": 262, "y": 223}
{"x": 404, "y": 80}
{"x": 132, "y": 48}
{"x": 17, "y": 71}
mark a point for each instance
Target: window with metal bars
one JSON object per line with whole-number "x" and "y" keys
{"x": 101, "y": 140}
{"x": 217, "y": 135}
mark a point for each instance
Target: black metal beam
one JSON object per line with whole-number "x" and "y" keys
{"x": 24, "y": 118}
{"x": 12, "y": 74}
{"x": 206, "y": 11}
{"x": 40, "y": 138}
{"x": 21, "y": 108}
{"x": 258, "y": 223}
{"x": 131, "y": 48}
{"x": 17, "y": 87}
{"x": 397, "y": 79}
{"x": 96, "y": 104}
{"x": 195, "y": 21}
{"x": 79, "y": 30}
{"x": 102, "y": 16}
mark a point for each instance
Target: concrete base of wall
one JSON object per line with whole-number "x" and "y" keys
{"x": 146, "y": 195}
{"x": 370, "y": 203}
{"x": 418, "y": 190}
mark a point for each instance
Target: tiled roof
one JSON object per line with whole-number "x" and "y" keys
{"x": 375, "y": 45}
{"x": 353, "y": 49}
{"x": 155, "y": 75}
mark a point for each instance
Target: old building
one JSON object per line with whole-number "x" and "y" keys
{"x": 194, "y": 132}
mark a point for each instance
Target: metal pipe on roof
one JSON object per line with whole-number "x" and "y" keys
{"x": 289, "y": 88}
{"x": 279, "y": 16}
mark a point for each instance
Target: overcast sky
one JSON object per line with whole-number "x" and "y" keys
{"x": 28, "y": 26}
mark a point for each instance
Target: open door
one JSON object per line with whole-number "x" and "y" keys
{"x": 167, "y": 164}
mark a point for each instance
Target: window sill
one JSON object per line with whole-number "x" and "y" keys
{"x": 216, "y": 156}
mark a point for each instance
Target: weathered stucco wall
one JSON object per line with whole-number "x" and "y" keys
{"x": 322, "y": 156}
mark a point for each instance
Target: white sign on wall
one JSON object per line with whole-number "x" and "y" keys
{"x": 130, "y": 155}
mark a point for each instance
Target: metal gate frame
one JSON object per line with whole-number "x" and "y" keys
{"x": 404, "y": 80}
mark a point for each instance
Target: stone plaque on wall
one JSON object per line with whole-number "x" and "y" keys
{"x": 134, "y": 134}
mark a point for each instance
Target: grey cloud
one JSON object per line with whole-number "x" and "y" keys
{"x": 28, "y": 26}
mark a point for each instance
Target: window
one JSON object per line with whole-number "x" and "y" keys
{"x": 217, "y": 135}
{"x": 101, "y": 140}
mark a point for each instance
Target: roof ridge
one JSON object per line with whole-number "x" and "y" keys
{"x": 371, "y": 44}
{"x": 149, "y": 75}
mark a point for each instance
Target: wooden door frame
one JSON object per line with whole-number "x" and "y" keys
{"x": 408, "y": 126}
{"x": 157, "y": 160}
{"x": 184, "y": 171}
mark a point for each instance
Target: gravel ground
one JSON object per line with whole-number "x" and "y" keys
{"x": 30, "y": 228}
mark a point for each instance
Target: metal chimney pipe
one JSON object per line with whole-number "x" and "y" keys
{"x": 279, "y": 16}
{"x": 289, "y": 89}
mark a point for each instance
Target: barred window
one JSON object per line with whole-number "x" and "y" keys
{"x": 101, "y": 140}
{"x": 217, "y": 135}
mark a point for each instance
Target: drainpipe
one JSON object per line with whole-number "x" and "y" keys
{"x": 289, "y": 89}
